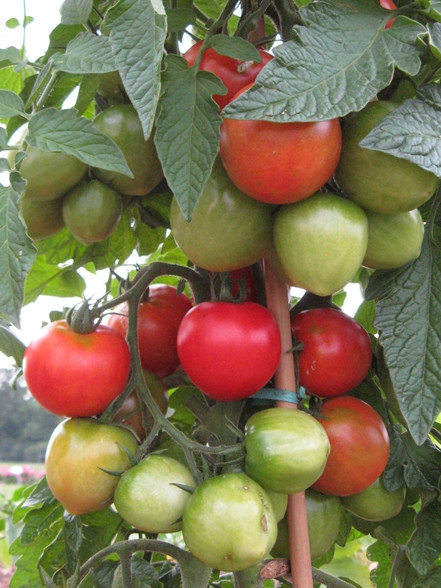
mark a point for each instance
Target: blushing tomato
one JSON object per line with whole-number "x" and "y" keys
{"x": 286, "y": 449}
{"x": 78, "y": 452}
{"x": 233, "y": 73}
{"x": 279, "y": 163}
{"x": 72, "y": 374}
{"x": 130, "y": 413}
{"x": 158, "y": 320}
{"x": 359, "y": 446}
{"x": 229, "y": 350}
{"x": 337, "y": 351}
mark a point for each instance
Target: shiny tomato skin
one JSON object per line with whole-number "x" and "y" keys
{"x": 359, "y": 446}
{"x": 280, "y": 163}
{"x": 229, "y": 350}
{"x": 233, "y": 73}
{"x": 337, "y": 351}
{"x": 158, "y": 320}
{"x": 76, "y": 451}
{"x": 76, "y": 375}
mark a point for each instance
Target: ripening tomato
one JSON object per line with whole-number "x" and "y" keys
{"x": 78, "y": 452}
{"x": 337, "y": 351}
{"x": 72, "y": 374}
{"x": 159, "y": 317}
{"x": 359, "y": 446}
{"x": 233, "y": 73}
{"x": 229, "y": 350}
{"x": 279, "y": 163}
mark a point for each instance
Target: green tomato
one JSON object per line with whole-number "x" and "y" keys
{"x": 380, "y": 181}
{"x": 79, "y": 451}
{"x": 320, "y": 242}
{"x": 286, "y": 449}
{"x": 111, "y": 87}
{"x": 42, "y": 218}
{"x": 147, "y": 498}
{"x": 229, "y": 523}
{"x": 228, "y": 230}
{"x": 121, "y": 123}
{"x": 279, "y": 502}
{"x": 50, "y": 175}
{"x": 324, "y": 517}
{"x": 91, "y": 211}
{"x": 394, "y": 239}
{"x": 375, "y": 503}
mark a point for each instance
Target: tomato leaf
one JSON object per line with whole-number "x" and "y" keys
{"x": 75, "y": 11}
{"x": 412, "y": 131}
{"x": 16, "y": 256}
{"x": 60, "y": 37}
{"x": 138, "y": 31}
{"x": 9, "y": 56}
{"x": 425, "y": 544}
{"x": 188, "y": 130}
{"x": 235, "y": 47}
{"x": 407, "y": 318}
{"x": 10, "y": 104}
{"x": 179, "y": 18}
{"x": 63, "y": 130}
{"x": 10, "y": 345}
{"x": 86, "y": 54}
{"x": 305, "y": 82}
{"x": 51, "y": 280}
{"x": 73, "y": 540}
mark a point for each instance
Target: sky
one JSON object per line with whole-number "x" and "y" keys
{"x": 46, "y": 15}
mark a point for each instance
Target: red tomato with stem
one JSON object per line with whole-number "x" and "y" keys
{"x": 233, "y": 73}
{"x": 359, "y": 446}
{"x": 76, "y": 375}
{"x": 337, "y": 351}
{"x": 279, "y": 163}
{"x": 158, "y": 320}
{"x": 229, "y": 350}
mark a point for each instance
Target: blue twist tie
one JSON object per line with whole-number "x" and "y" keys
{"x": 277, "y": 394}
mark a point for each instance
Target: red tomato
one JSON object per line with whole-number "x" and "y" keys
{"x": 158, "y": 320}
{"x": 279, "y": 163}
{"x": 229, "y": 350}
{"x": 388, "y": 5}
{"x": 233, "y": 73}
{"x": 245, "y": 274}
{"x": 359, "y": 446}
{"x": 76, "y": 375}
{"x": 337, "y": 351}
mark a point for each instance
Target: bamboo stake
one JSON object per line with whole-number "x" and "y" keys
{"x": 300, "y": 557}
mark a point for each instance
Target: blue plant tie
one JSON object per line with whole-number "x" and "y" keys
{"x": 277, "y": 394}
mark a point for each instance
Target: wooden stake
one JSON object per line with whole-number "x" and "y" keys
{"x": 278, "y": 303}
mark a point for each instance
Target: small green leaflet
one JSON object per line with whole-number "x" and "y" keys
{"x": 408, "y": 320}
{"x": 10, "y": 104}
{"x": 188, "y": 130}
{"x": 137, "y": 36}
{"x": 63, "y": 130}
{"x": 86, "y": 54}
{"x": 10, "y": 345}
{"x": 412, "y": 131}
{"x": 9, "y": 56}
{"x": 17, "y": 255}
{"x": 75, "y": 11}
{"x": 307, "y": 83}
{"x": 425, "y": 544}
{"x": 234, "y": 47}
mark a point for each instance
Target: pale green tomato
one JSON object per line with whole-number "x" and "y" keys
{"x": 375, "y": 503}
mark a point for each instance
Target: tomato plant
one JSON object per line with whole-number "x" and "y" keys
{"x": 229, "y": 350}
{"x": 121, "y": 123}
{"x": 375, "y": 503}
{"x": 228, "y": 230}
{"x": 324, "y": 519}
{"x": 229, "y": 523}
{"x": 280, "y": 163}
{"x": 80, "y": 457}
{"x": 159, "y": 317}
{"x": 375, "y": 179}
{"x": 147, "y": 496}
{"x": 359, "y": 446}
{"x": 73, "y": 374}
{"x": 234, "y": 73}
{"x": 286, "y": 450}
{"x": 91, "y": 211}
{"x": 320, "y": 242}
{"x": 336, "y": 354}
